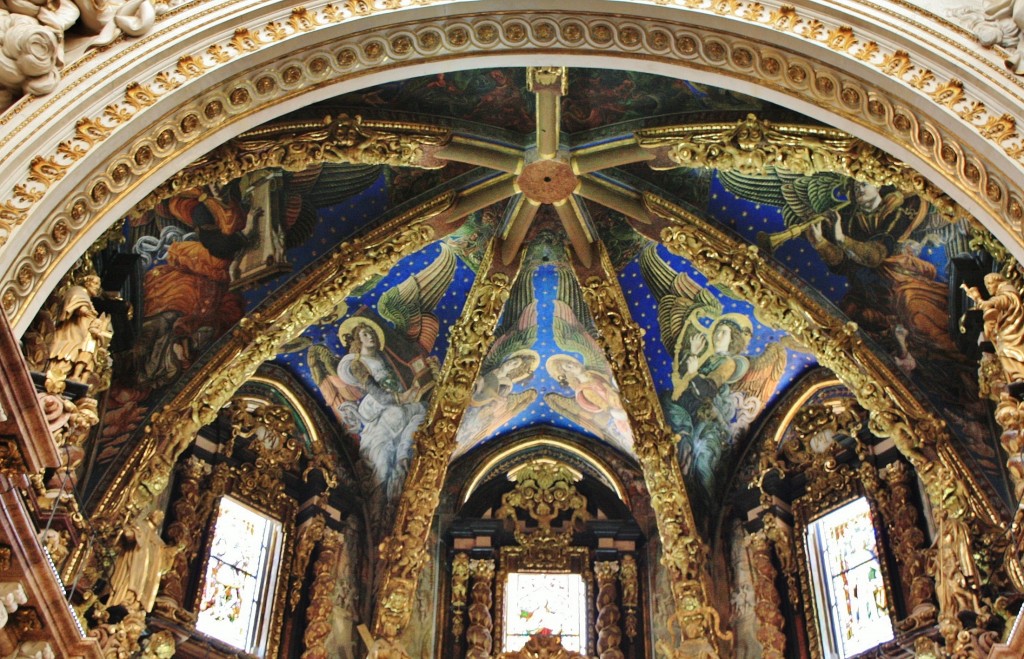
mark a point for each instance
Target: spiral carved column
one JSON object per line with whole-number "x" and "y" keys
{"x": 769, "y": 616}
{"x": 609, "y": 635}
{"x": 908, "y": 545}
{"x": 191, "y": 510}
{"x": 460, "y": 578}
{"x": 478, "y": 636}
{"x": 321, "y": 601}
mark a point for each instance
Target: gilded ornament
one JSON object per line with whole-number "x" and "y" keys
{"x": 460, "y": 579}
{"x": 770, "y": 621}
{"x": 174, "y": 427}
{"x": 542, "y": 646}
{"x": 889, "y": 62}
{"x": 403, "y": 555}
{"x": 754, "y": 146}
{"x": 609, "y": 634}
{"x": 892, "y": 411}
{"x": 321, "y": 608}
{"x": 1003, "y": 313}
{"x": 684, "y": 553}
{"x": 296, "y": 147}
{"x": 478, "y": 636}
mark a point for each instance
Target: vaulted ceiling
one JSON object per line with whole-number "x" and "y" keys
{"x": 557, "y": 172}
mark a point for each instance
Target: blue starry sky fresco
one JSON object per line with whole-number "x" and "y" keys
{"x": 447, "y": 312}
{"x": 338, "y": 222}
{"x": 539, "y": 413}
{"x": 644, "y": 308}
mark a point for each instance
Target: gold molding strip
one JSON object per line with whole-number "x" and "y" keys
{"x": 756, "y": 146}
{"x": 404, "y": 554}
{"x": 893, "y": 411}
{"x": 684, "y": 554}
{"x": 297, "y": 146}
{"x": 520, "y": 447}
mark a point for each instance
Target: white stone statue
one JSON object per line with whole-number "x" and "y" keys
{"x": 996, "y": 23}
{"x": 32, "y": 39}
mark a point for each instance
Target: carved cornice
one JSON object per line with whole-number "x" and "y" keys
{"x": 756, "y": 146}
{"x": 115, "y": 177}
{"x": 684, "y": 553}
{"x": 295, "y": 147}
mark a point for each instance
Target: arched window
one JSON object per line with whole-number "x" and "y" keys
{"x": 240, "y": 574}
{"x": 851, "y": 604}
{"x": 543, "y": 549}
{"x": 837, "y": 549}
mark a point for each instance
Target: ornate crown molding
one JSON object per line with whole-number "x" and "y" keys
{"x": 952, "y": 127}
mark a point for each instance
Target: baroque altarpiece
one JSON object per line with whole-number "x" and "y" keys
{"x": 501, "y": 360}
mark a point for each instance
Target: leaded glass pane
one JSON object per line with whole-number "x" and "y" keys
{"x": 850, "y": 589}
{"x": 541, "y": 603}
{"x": 237, "y": 575}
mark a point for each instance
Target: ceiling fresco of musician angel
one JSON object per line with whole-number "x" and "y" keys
{"x": 194, "y": 263}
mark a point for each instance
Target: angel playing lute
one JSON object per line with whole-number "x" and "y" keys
{"x": 717, "y": 389}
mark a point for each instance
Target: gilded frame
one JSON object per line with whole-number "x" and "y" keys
{"x": 519, "y": 559}
{"x": 812, "y": 506}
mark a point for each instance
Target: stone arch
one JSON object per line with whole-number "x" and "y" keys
{"x": 216, "y": 72}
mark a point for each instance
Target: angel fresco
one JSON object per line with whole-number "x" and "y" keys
{"x": 378, "y": 390}
{"x": 511, "y": 361}
{"x": 595, "y": 403}
{"x": 203, "y": 245}
{"x": 717, "y": 389}
{"x": 872, "y": 237}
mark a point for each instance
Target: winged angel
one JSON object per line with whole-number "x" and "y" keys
{"x": 377, "y": 389}
{"x": 871, "y": 236}
{"x": 511, "y": 361}
{"x": 595, "y": 403}
{"x": 717, "y": 390}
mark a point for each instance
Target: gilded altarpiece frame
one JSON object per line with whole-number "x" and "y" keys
{"x": 830, "y": 487}
{"x": 259, "y": 484}
{"x": 545, "y": 490}
{"x": 574, "y": 560}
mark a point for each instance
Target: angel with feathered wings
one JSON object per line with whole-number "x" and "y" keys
{"x": 511, "y": 361}
{"x": 717, "y": 390}
{"x": 595, "y": 403}
{"x": 378, "y": 390}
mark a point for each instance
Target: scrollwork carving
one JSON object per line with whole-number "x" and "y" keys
{"x": 893, "y": 412}
{"x": 460, "y": 578}
{"x": 295, "y": 147}
{"x": 478, "y": 636}
{"x": 770, "y": 621}
{"x": 630, "y": 594}
{"x": 907, "y": 542}
{"x": 684, "y": 553}
{"x": 757, "y": 146}
{"x": 404, "y": 553}
{"x": 321, "y": 603}
{"x": 609, "y": 634}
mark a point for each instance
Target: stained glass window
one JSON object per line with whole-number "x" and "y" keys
{"x": 543, "y": 603}
{"x": 851, "y": 598}
{"x": 239, "y": 576}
